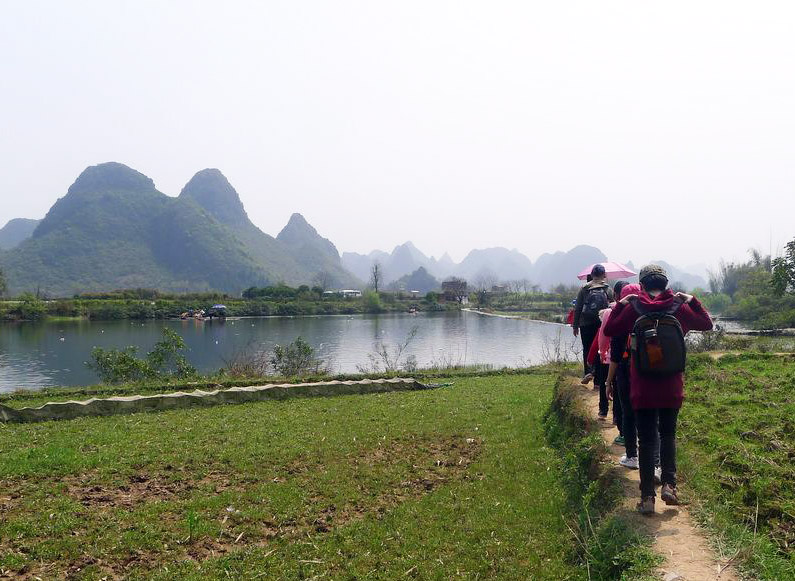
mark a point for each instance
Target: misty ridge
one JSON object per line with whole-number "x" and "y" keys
{"x": 113, "y": 229}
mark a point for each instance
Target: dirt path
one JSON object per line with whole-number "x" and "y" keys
{"x": 687, "y": 553}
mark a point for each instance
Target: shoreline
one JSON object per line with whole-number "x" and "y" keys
{"x": 514, "y": 317}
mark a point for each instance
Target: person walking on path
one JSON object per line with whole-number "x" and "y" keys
{"x": 598, "y": 360}
{"x": 595, "y": 296}
{"x": 618, "y": 388}
{"x": 610, "y": 381}
{"x": 656, "y": 317}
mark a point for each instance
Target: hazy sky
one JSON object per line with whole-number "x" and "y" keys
{"x": 662, "y": 130}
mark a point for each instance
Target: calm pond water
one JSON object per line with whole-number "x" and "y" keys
{"x": 36, "y": 355}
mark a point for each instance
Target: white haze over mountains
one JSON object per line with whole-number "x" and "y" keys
{"x": 647, "y": 130}
{"x": 493, "y": 265}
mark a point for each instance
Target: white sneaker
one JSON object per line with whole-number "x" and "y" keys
{"x": 658, "y": 475}
{"x": 631, "y": 463}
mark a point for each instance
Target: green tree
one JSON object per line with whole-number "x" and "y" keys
{"x": 31, "y": 308}
{"x": 371, "y": 302}
{"x": 784, "y": 270}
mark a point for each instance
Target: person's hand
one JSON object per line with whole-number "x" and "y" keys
{"x": 686, "y": 298}
{"x": 609, "y": 390}
{"x": 576, "y": 331}
{"x": 627, "y": 298}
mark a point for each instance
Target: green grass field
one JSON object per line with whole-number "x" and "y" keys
{"x": 456, "y": 482}
{"x": 737, "y": 457}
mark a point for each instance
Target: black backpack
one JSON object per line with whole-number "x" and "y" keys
{"x": 658, "y": 342}
{"x": 595, "y": 301}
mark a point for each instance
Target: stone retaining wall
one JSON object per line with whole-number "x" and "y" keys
{"x": 180, "y": 400}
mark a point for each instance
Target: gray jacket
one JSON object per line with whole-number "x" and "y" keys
{"x": 585, "y": 320}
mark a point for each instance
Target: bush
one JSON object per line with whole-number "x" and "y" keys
{"x": 31, "y": 308}
{"x": 701, "y": 341}
{"x": 737, "y": 342}
{"x": 371, "y": 302}
{"x": 717, "y": 302}
{"x": 119, "y": 365}
{"x": 288, "y": 310}
{"x": 122, "y": 365}
{"x": 780, "y": 320}
{"x": 296, "y": 359}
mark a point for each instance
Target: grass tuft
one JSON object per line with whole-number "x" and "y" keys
{"x": 605, "y": 543}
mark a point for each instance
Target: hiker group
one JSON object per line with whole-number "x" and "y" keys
{"x": 633, "y": 339}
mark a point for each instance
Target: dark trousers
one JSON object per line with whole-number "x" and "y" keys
{"x": 628, "y": 425}
{"x": 587, "y": 334}
{"x": 618, "y": 409}
{"x": 600, "y": 381}
{"x": 654, "y": 423}
{"x": 628, "y": 428}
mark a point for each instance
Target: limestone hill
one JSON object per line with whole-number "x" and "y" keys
{"x": 114, "y": 229}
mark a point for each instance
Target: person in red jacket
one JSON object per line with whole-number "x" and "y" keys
{"x": 656, "y": 400}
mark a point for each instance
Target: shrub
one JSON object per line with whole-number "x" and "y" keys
{"x": 701, "y": 341}
{"x": 717, "y": 302}
{"x": 288, "y": 310}
{"x": 737, "y": 342}
{"x": 123, "y": 365}
{"x": 371, "y": 302}
{"x": 250, "y": 362}
{"x": 31, "y": 308}
{"x": 296, "y": 359}
{"x": 119, "y": 365}
{"x": 390, "y": 358}
{"x": 166, "y": 358}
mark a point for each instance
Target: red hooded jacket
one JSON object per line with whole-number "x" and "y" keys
{"x": 657, "y": 392}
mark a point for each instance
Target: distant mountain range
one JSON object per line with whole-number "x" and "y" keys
{"x": 489, "y": 266}
{"x": 113, "y": 229}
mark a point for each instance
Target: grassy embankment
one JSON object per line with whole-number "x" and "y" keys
{"x": 737, "y": 457}
{"x": 539, "y": 306}
{"x": 283, "y": 302}
{"x": 457, "y": 481}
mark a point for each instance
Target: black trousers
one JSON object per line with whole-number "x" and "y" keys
{"x": 654, "y": 423}
{"x": 587, "y": 335}
{"x": 628, "y": 425}
{"x": 628, "y": 428}
{"x": 618, "y": 409}
{"x": 600, "y": 380}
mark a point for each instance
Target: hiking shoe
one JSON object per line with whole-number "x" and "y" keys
{"x": 658, "y": 475}
{"x": 646, "y": 505}
{"x": 631, "y": 462}
{"x": 619, "y": 440}
{"x": 586, "y": 379}
{"x": 668, "y": 495}
{"x": 602, "y": 417}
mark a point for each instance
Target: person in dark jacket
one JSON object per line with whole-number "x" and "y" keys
{"x": 656, "y": 400}
{"x": 586, "y": 323}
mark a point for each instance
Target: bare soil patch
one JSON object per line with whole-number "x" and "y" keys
{"x": 432, "y": 462}
{"x": 141, "y": 488}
